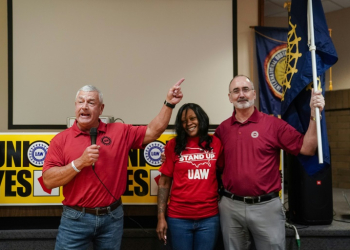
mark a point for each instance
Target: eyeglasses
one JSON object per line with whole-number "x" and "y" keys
{"x": 244, "y": 90}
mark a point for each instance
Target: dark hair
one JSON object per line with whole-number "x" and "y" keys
{"x": 203, "y": 128}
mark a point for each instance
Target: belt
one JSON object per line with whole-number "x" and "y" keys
{"x": 99, "y": 210}
{"x": 252, "y": 199}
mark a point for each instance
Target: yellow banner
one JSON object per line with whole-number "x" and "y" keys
{"x": 22, "y": 156}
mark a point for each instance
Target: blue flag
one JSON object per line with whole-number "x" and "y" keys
{"x": 271, "y": 47}
{"x": 296, "y": 95}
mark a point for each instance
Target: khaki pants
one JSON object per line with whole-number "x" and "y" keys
{"x": 264, "y": 221}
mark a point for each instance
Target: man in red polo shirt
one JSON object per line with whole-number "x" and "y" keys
{"x": 252, "y": 141}
{"x": 94, "y": 176}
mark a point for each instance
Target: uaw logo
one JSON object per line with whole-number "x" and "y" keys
{"x": 37, "y": 152}
{"x": 106, "y": 140}
{"x": 275, "y": 65}
{"x": 255, "y": 134}
{"x": 153, "y": 152}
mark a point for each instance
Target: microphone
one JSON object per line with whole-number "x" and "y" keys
{"x": 93, "y": 135}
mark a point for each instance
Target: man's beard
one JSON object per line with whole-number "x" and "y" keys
{"x": 244, "y": 105}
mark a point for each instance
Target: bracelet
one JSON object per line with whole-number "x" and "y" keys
{"x": 313, "y": 118}
{"x": 75, "y": 168}
{"x": 169, "y": 104}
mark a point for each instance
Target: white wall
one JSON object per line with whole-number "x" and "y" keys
{"x": 247, "y": 17}
{"x": 3, "y": 65}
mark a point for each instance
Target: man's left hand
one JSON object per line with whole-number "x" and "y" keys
{"x": 316, "y": 101}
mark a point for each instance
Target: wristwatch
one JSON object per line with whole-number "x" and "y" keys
{"x": 169, "y": 104}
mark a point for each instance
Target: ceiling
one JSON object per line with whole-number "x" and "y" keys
{"x": 274, "y": 8}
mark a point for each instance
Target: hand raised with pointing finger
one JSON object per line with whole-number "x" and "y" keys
{"x": 175, "y": 95}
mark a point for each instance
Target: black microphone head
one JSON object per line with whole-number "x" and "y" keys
{"x": 93, "y": 135}
{"x": 93, "y": 131}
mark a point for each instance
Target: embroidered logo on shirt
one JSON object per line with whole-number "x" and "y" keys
{"x": 152, "y": 153}
{"x": 255, "y": 134}
{"x": 106, "y": 140}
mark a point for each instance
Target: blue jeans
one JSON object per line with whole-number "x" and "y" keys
{"x": 186, "y": 234}
{"x": 78, "y": 229}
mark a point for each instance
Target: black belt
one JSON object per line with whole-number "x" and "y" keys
{"x": 252, "y": 199}
{"x": 99, "y": 210}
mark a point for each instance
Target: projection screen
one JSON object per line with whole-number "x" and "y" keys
{"x": 133, "y": 51}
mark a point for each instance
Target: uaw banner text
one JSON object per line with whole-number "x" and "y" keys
{"x": 22, "y": 156}
{"x": 271, "y": 46}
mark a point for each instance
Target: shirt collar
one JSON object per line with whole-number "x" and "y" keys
{"x": 194, "y": 139}
{"x": 102, "y": 127}
{"x": 253, "y": 118}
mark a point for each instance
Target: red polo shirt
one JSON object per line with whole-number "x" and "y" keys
{"x": 115, "y": 140}
{"x": 252, "y": 152}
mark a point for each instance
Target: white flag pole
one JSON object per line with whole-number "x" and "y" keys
{"x": 312, "y": 48}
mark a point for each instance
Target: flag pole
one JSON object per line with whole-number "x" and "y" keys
{"x": 312, "y": 49}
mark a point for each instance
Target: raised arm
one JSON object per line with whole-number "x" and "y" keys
{"x": 163, "y": 195}
{"x": 157, "y": 126}
{"x": 310, "y": 139}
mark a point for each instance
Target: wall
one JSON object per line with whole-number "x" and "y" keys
{"x": 3, "y": 65}
{"x": 276, "y": 22}
{"x": 338, "y": 21}
{"x": 247, "y": 17}
{"x": 338, "y": 127}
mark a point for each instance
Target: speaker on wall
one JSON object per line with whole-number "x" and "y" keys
{"x": 310, "y": 198}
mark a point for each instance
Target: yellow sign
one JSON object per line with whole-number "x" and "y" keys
{"x": 21, "y": 160}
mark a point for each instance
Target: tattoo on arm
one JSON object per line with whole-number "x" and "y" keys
{"x": 163, "y": 194}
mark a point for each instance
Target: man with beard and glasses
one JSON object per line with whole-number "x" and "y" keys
{"x": 250, "y": 206}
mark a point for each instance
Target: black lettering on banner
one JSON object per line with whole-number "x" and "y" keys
{"x": 9, "y": 183}
{"x": 129, "y": 182}
{"x": 137, "y": 176}
{"x": 1, "y": 176}
{"x": 133, "y": 157}
{"x": 26, "y": 190}
{"x": 142, "y": 158}
{"x": 137, "y": 158}
{"x": 25, "y": 153}
{"x": 2, "y": 153}
{"x": 13, "y": 154}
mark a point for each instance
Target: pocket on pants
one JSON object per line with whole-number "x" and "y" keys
{"x": 117, "y": 213}
{"x": 71, "y": 213}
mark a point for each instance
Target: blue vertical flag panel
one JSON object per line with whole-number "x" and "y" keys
{"x": 271, "y": 46}
{"x": 296, "y": 95}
